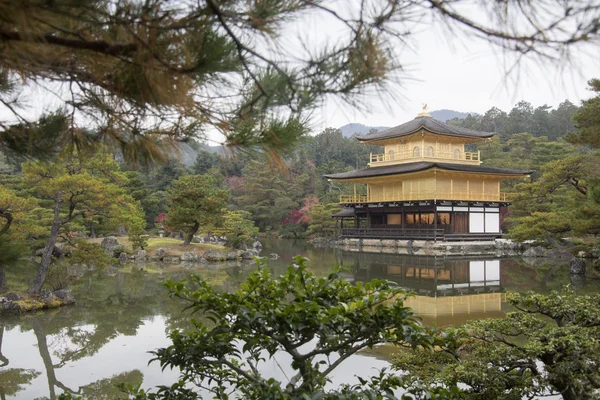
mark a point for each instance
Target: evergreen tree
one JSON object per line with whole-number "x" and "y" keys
{"x": 13, "y": 228}
{"x": 562, "y": 120}
{"x": 321, "y": 223}
{"x": 494, "y": 120}
{"x": 195, "y": 201}
{"x": 238, "y": 228}
{"x": 266, "y": 195}
{"x": 205, "y": 161}
{"x": 78, "y": 186}
{"x": 541, "y": 123}
{"x": 520, "y": 118}
{"x": 587, "y": 119}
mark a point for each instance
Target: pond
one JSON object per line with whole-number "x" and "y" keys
{"x": 123, "y": 313}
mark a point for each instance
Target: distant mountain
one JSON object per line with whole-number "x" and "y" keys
{"x": 445, "y": 115}
{"x": 351, "y": 129}
{"x": 442, "y": 115}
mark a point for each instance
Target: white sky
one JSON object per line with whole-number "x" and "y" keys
{"x": 467, "y": 75}
{"x": 446, "y": 71}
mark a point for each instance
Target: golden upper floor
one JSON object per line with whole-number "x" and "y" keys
{"x": 425, "y": 139}
{"x": 425, "y": 147}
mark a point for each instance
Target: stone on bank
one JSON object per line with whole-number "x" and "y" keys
{"x": 14, "y": 303}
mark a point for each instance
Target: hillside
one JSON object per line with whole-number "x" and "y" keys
{"x": 445, "y": 115}
{"x": 354, "y": 128}
{"x": 442, "y": 115}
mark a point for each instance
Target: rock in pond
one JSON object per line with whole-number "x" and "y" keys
{"x": 234, "y": 255}
{"x": 257, "y": 245}
{"x": 141, "y": 255}
{"x": 214, "y": 255}
{"x": 274, "y": 256}
{"x": 160, "y": 253}
{"x": 249, "y": 254}
{"x": 123, "y": 258}
{"x": 190, "y": 256}
{"x": 577, "y": 266}
{"x": 111, "y": 246}
{"x": 13, "y": 297}
{"x": 537, "y": 251}
{"x": 65, "y": 295}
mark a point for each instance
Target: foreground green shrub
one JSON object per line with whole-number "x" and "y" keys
{"x": 307, "y": 317}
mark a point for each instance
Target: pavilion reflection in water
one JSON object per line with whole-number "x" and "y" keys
{"x": 449, "y": 291}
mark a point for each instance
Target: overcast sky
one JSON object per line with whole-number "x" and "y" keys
{"x": 443, "y": 69}
{"x": 467, "y": 75}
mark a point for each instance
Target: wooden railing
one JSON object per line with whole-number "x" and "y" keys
{"x": 424, "y": 195}
{"x": 388, "y": 158}
{"x": 395, "y": 233}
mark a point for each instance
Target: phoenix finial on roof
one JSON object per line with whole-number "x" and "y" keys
{"x": 424, "y": 113}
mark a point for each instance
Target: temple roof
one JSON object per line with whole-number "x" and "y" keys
{"x": 345, "y": 212}
{"x": 427, "y": 123}
{"x": 399, "y": 169}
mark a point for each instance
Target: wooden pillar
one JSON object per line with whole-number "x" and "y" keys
{"x": 434, "y": 222}
{"x": 468, "y": 191}
{"x": 435, "y": 193}
{"x": 403, "y": 218}
{"x": 499, "y": 195}
{"x": 483, "y": 189}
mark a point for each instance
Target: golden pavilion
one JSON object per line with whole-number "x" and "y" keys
{"x": 425, "y": 186}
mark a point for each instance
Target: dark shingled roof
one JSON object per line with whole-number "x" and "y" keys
{"x": 399, "y": 169}
{"x": 345, "y": 212}
{"x": 427, "y": 123}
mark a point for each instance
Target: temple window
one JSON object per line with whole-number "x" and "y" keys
{"x": 443, "y": 218}
{"x": 457, "y": 154}
{"x": 391, "y": 155}
{"x": 417, "y": 152}
{"x": 429, "y": 151}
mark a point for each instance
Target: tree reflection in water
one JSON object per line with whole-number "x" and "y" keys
{"x": 121, "y": 302}
{"x": 13, "y": 380}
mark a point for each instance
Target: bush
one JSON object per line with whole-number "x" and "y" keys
{"x": 59, "y": 276}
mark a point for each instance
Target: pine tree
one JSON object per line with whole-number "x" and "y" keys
{"x": 78, "y": 186}
{"x": 141, "y": 75}
{"x": 195, "y": 201}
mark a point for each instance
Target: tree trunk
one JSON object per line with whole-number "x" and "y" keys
{"x": 3, "y": 360}
{"x": 39, "y": 280}
{"x": 3, "y": 285}
{"x": 93, "y": 230}
{"x": 190, "y": 235}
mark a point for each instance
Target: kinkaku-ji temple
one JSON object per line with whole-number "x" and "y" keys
{"x": 425, "y": 186}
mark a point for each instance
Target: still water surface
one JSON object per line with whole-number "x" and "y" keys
{"x": 121, "y": 314}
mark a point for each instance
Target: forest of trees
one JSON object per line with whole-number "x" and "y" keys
{"x": 280, "y": 199}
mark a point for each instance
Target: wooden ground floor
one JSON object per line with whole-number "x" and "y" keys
{"x": 427, "y": 220}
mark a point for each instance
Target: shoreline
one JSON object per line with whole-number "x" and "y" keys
{"x": 496, "y": 247}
